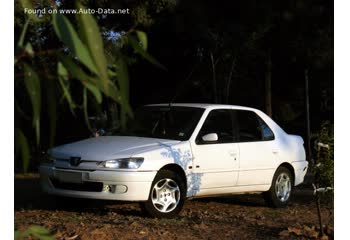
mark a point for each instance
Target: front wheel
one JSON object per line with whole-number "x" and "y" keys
{"x": 166, "y": 196}
{"x": 281, "y": 189}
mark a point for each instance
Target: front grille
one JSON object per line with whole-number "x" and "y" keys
{"x": 85, "y": 186}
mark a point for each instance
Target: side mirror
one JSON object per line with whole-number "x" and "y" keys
{"x": 210, "y": 137}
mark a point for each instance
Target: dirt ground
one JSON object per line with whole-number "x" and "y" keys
{"x": 234, "y": 217}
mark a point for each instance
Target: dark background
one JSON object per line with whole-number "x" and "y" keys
{"x": 242, "y": 37}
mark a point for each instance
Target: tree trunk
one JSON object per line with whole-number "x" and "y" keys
{"x": 214, "y": 78}
{"x": 307, "y": 106}
{"x": 228, "y": 85}
{"x": 268, "y": 105}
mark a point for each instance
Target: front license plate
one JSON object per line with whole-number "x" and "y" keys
{"x": 72, "y": 177}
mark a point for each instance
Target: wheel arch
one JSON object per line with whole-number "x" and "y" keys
{"x": 290, "y": 168}
{"x": 177, "y": 169}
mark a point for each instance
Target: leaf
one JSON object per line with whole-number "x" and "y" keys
{"x": 32, "y": 84}
{"x": 65, "y": 31}
{"x": 95, "y": 91}
{"x": 18, "y": 235}
{"x": 296, "y": 231}
{"x": 86, "y": 115}
{"x": 123, "y": 80}
{"x": 39, "y": 230}
{"x": 21, "y": 112}
{"x": 136, "y": 45}
{"x": 310, "y": 232}
{"x": 63, "y": 78}
{"x": 29, "y": 49}
{"x": 143, "y": 39}
{"x": 112, "y": 92}
{"x": 92, "y": 38}
{"x": 28, "y": 4}
{"x": 122, "y": 76}
{"x": 41, "y": 233}
{"x": 71, "y": 67}
{"x": 67, "y": 95}
{"x": 23, "y": 148}
{"x": 79, "y": 74}
{"x": 52, "y": 109}
{"x": 21, "y": 235}
{"x": 284, "y": 233}
{"x": 62, "y": 71}
{"x": 23, "y": 33}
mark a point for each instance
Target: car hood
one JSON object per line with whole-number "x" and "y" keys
{"x": 109, "y": 147}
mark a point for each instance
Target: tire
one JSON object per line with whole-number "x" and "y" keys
{"x": 281, "y": 189}
{"x": 166, "y": 197}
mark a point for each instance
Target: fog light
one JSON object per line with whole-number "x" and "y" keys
{"x": 121, "y": 189}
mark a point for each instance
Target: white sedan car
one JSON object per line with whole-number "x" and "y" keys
{"x": 175, "y": 152}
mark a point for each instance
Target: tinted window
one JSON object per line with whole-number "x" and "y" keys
{"x": 249, "y": 127}
{"x": 267, "y": 133}
{"x": 252, "y": 128}
{"x": 219, "y": 122}
{"x": 164, "y": 122}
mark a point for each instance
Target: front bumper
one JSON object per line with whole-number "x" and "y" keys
{"x": 115, "y": 185}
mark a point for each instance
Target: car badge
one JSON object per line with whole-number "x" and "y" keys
{"x": 75, "y": 161}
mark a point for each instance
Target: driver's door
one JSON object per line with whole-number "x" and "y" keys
{"x": 216, "y": 163}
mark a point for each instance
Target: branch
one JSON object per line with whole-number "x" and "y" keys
{"x": 229, "y": 79}
{"x": 25, "y": 54}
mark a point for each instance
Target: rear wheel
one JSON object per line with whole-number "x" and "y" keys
{"x": 281, "y": 189}
{"x": 166, "y": 197}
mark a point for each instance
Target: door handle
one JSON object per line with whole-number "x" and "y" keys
{"x": 232, "y": 153}
{"x": 275, "y": 151}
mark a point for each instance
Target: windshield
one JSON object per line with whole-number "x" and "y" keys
{"x": 165, "y": 122}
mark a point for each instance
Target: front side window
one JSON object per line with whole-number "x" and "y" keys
{"x": 220, "y": 122}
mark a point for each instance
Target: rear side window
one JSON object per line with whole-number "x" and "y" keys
{"x": 267, "y": 133}
{"x": 252, "y": 128}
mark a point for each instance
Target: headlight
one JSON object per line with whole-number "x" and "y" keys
{"x": 125, "y": 163}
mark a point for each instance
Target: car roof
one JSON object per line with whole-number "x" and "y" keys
{"x": 203, "y": 105}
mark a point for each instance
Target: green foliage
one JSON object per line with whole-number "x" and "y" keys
{"x": 139, "y": 48}
{"x": 63, "y": 80}
{"x": 67, "y": 34}
{"x": 324, "y": 168}
{"x": 73, "y": 73}
{"x": 34, "y": 231}
{"x": 28, "y": 4}
{"x": 92, "y": 37}
{"x": 143, "y": 39}
{"x": 22, "y": 147}
{"x": 32, "y": 84}
{"x": 145, "y": 12}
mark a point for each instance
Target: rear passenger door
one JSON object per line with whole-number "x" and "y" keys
{"x": 258, "y": 161}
